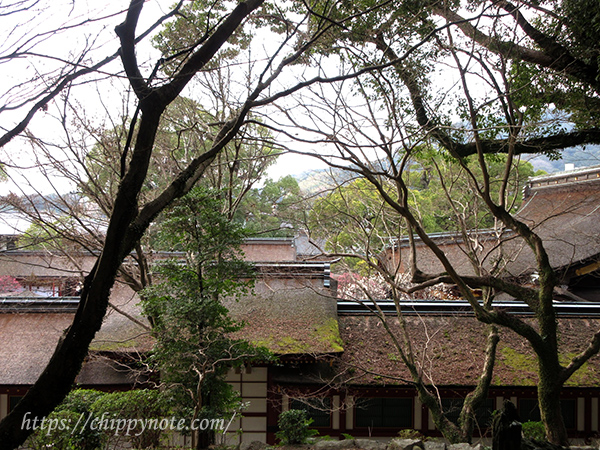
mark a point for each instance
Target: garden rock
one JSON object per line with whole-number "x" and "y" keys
{"x": 464, "y": 446}
{"x": 335, "y": 445}
{"x": 434, "y": 444}
{"x": 254, "y": 445}
{"x": 368, "y": 444}
{"x": 534, "y": 444}
{"x": 405, "y": 444}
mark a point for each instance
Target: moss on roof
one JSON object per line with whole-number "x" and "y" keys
{"x": 318, "y": 338}
{"x": 514, "y": 367}
{"x": 451, "y": 351}
{"x": 289, "y": 320}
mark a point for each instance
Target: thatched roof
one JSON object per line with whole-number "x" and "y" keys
{"x": 119, "y": 332}
{"x": 100, "y": 370}
{"x": 291, "y": 314}
{"x": 450, "y": 351}
{"x": 28, "y": 341}
{"x": 292, "y": 311}
{"x": 44, "y": 264}
{"x": 563, "y": 209}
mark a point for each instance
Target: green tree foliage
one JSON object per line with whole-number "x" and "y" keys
{"x": 294, "y": 427}
{"x": 445, "y": 198}
{"x": 194, "y": 343}
{"x": 244, "y": 161}
{"x": 179, "y": 37}
{"x": 61, "y": 432}
{"x": 55, "y": 432}
{"x": 575, "y": 25}
{"x": 186, "y": 130}
{"x": 49, "y": 236}
{"x": 135, "y": 408}
{"x": 276, "y": 209}
{"x": 356, "y": 219}
{"x": 534, "y": 430}
{"x": 548, "y": 50}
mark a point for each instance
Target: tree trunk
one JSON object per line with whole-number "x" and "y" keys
{"x": 201, "y": 439}
{"x": 475, "y": 398}
{"x": 449, "y": 429}
{"x": 58, "y": 377}
{"x": 549, "y": 389}
{"x": 551, "y": 373}
{"x": 204, "y": 439}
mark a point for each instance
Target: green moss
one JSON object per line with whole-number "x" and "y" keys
{"x": 522, "y": 368}
{"x": 285, "y": 345}
{"x": 105, "y": 346}
{"x": 585, "y": 376}
{"x": 329, "y": 333}
{"x": 393, "y": 357}
{"x": 290, "y": 345}
{"x": 111, "y": 346}
{"x": 124, "y": 337}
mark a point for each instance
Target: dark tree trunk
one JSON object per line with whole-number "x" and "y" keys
{"x": 475, "y": 398}
{"x": 57, "y": 379}
{"x": 204, "y": 439}
{"x": 549, "y": 389}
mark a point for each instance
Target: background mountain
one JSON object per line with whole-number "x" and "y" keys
{"x": 579, "y": 156}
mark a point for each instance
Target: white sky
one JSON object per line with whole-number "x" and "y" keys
{"x": 101, "y": 34}
{"x": 49, "y": 15}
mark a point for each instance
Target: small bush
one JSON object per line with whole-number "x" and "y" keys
{"x": 80, "y": 401}
{"x": 410, "y": 434}
{"x": 63, "y": 428}
{"x": 294, "y": 427}
{"x": 132, "y": 406}
{"x": 534, "y": 430}
{"x": 55, "y": 433}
